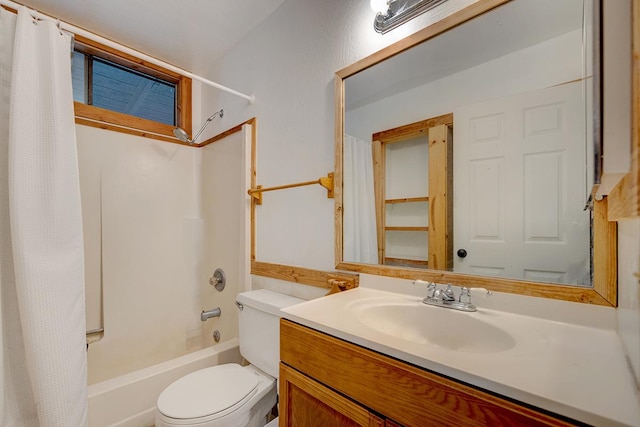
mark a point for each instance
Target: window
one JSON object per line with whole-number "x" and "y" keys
{"x": 108, "y": 85}
{"x": 115, "y": 91}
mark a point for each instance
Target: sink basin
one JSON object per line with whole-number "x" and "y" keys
{"x": 413, "y": 321}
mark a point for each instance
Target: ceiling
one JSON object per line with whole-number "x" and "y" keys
{"x": 190, "y": 34}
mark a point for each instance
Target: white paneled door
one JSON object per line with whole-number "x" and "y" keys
{"x": 520, "y": 185}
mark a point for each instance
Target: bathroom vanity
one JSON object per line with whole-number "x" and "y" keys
{"x": 326, "y": 381}
{"x": 353, "y": 359}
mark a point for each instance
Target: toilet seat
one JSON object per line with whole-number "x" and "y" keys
{"x": 207, "y": 394}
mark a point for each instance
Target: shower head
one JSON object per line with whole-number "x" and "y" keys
{"x": 183, "y": 136}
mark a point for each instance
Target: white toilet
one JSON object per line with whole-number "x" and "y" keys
{"x": 230, "y": 394}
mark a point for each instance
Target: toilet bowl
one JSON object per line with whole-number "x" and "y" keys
{"x": 223, "y": 395}
{"x": 230, "y": 394}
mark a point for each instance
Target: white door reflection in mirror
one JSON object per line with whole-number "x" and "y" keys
{"x": 520, "y": 187}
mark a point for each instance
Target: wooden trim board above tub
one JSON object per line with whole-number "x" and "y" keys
{"x": 303, "y": 276}
{"x": 230, "y": 131}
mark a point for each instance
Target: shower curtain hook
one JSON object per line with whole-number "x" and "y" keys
{"x": 59, "y": 25}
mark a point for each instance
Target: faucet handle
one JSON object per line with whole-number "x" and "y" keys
{"x": 465, "y": 295}
{"x": 431, "y": 286}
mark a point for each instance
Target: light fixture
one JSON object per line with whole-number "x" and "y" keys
{"x": 379, "y": 6}
{"x": 183, "y": 136}
{"x": 398, "y": 12}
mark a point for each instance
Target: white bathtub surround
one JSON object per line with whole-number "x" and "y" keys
{"x": 130, "y": 400}
{"x": 42, "y": 355}
{"x": 164, "y": 224}
{"x": 572, "y": 364}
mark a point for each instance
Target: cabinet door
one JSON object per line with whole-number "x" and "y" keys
{"x": 307, "y": 403}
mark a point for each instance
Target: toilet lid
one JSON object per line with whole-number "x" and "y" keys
{"x": 207, "y": 391}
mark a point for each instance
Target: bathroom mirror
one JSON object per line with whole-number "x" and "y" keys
{"x": 509, "y": 91}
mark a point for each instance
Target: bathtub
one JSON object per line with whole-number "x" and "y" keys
{"x": 130, "y": 400}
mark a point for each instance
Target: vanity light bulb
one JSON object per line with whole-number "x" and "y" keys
{"x": 379, "y": 6}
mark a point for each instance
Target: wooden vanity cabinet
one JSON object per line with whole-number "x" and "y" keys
{"x": 325, "y": 381}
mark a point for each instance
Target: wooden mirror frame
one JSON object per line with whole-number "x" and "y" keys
{"x": 604, "y": 289}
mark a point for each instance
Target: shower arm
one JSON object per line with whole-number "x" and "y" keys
{"x": 183, "y": 136}
{"x": 221, "y": 113}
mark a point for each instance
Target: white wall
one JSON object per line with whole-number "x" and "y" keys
{"x": 289, "y": 63}
{"x": 145, "y": 222}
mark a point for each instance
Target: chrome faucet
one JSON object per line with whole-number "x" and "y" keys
{"x": 444, "y": 295}
{"x": 216, "y": 312}
{"x": 446, "y": 298}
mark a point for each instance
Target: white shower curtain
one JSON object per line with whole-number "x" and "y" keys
{"x": 43, "y": 378}
{"x": 360, "y": 243}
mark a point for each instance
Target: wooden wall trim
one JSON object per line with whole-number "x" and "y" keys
{"x": 605, "y": 247}
{"x": 567, "y": 293}
{"x": 301, "y": 275}
{"x": 337, "y": 175}
{"x": 253, "y": 182}
{"x": 227, "y": 132}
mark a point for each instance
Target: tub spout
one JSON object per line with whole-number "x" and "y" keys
{"x": 211, "y": 313}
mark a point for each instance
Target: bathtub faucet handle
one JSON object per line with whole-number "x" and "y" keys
{"x": 218, "y": 279}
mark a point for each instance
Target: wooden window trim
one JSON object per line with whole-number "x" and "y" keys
{"x": 106, "y": 119}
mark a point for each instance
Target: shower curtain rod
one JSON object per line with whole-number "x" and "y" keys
{"x": 91, "y": 36}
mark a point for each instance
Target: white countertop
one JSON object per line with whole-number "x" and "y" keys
{"x": 571, "y": 369}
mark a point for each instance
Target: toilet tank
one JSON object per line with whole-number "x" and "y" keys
{"x": 259, "y": 327}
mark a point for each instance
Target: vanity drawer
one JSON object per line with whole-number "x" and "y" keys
{"x": 411, "y": 396}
